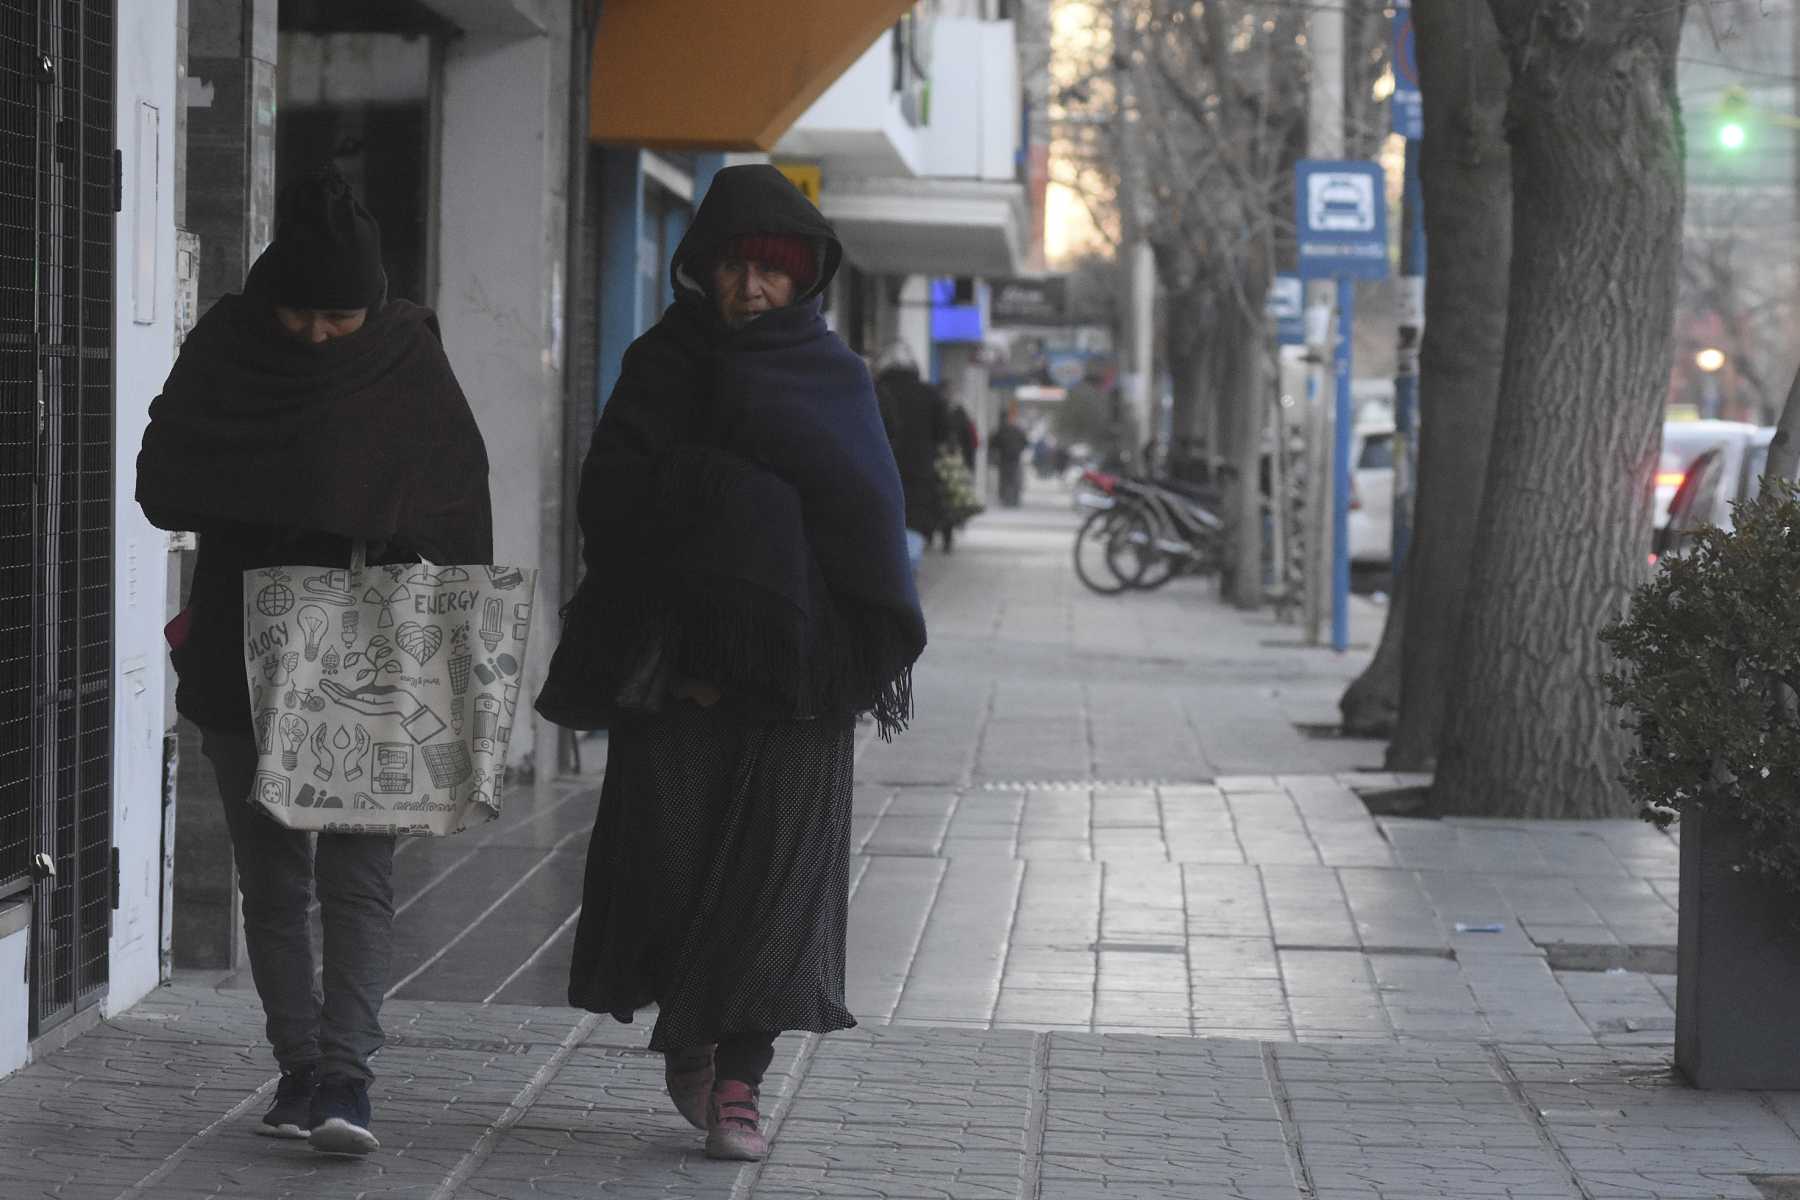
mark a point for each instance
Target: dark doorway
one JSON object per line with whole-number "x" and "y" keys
{"x": 362, "y": 101}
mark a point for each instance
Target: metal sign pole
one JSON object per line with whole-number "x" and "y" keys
{"x": 1340, "y": 470}
{"x": 1341, "y": 216}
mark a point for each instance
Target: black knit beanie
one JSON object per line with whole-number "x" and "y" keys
{"x": 327, "y": 249}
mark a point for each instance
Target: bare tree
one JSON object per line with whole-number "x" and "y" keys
{"x": 1217, "y": 113}
{"x": 1597, "y": 160}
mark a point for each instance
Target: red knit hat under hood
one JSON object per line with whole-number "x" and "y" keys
{"x": 783, "y": 251}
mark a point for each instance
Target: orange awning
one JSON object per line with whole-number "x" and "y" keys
{"x": 722, "y": 74}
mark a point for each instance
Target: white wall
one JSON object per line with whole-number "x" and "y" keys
{"x": 15, "y": 1000}
{"x": 975, "y": 126}
{"x": 145, "y": 350}
{"x": 856, "y": 124}
{"x": 352, "y": 68}
{"x": 502, "y": 238}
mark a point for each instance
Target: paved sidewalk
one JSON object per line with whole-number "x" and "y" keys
{"x": 1121, "y": 926}
{"x": 498, "y": 1102}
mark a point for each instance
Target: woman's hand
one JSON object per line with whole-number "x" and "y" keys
{"x": 699, "y": 691}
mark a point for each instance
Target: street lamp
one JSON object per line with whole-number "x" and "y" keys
{"x": 1710, "y": 361}
{"x": 1734, "y": 108}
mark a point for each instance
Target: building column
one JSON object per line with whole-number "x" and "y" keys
{"x": 230, "y": 137}
{"x": 913, "y": 321}
{"x": 229, "y": 198}
{"x": 502, "y": 254}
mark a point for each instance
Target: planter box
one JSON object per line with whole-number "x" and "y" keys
{"x": 1738, "y": 968}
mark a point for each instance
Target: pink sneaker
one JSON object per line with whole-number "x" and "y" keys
{"x": 688, "y": 1074}
{"x": 731, "y": 1123}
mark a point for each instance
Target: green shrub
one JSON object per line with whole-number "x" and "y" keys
{"x": 1707, "y": 673}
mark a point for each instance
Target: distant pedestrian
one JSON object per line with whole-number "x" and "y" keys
{"x": 305, "y": 413}
{"x": 747, "y": 594}
{"x": 968, "y": 438}
{"x": 918, "y": 424}
{"x": 1005, "y": 450}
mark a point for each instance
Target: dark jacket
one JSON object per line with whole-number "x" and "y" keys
{"x": 1005, "y": 446}
{"x": 918, "y": 425}
{"x": 741, "y": 513}
{"x": 278, "y": 453}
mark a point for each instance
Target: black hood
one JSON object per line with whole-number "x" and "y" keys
{"x": 755, "y": 198}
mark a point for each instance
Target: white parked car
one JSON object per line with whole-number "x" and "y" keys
{"x": 1372, "y": 493}
{"x": 1727, "y": 469}
{"x": 1732, "y": 446}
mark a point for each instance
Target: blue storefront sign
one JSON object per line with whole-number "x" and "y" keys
{"x": 954, "y": 317}
{"x": 1341, "y": 215}
{"x": 1408, "y": 111}
{"x": 1286, "y": 310}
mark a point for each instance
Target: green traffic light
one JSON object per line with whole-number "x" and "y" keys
{"x": 1732, "y": 136}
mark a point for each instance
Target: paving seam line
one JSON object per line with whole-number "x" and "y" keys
{"x": 1516, "y": 1089}
{"x": 394, "y": 989}
{"x": 486, "y": 842}
{"x": 744, "y": 1186}
{"x": 1012, "y": 933}
{"x": 516, "y": 1108}
{"x": 534, "y": 955}
{"x": 912, "y": 955}
{"x": 1786, "y": 1121}
{"x": 167, "y": 1167}
{"x": 1281, "y": 979}
{"x": 1290, "y": 1129}
{"x": 1037, "y": 1116}
{"x": 1100, "y": 936}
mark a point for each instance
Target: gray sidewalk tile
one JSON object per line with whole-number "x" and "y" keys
{"x": 887, "y": 919}
{"x": 1391, "y": 910}
{"x": 1307, "y": 908}
{"x": 1270, "y": 829}
{"x": 998, "y": 936}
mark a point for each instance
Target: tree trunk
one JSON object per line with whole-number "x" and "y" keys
{"x": 1784, "y": 450}
{"x": 1242, "y": 413}
{"x": 1185, "y": 338}
{"x": 1466, "y": 170}
{"x": 1370, "y": 704}
{"x": 1565, "y": 522}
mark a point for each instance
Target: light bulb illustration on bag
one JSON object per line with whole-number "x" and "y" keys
{"x": 293, "y": 731}
{"x": 313, "y": 626}
{"x": 352, "y": 625}
{"x": 493, "y": 615}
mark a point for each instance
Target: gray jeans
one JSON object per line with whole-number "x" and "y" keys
{"x": 278, "y": 868}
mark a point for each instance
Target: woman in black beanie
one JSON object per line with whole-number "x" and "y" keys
{"x": 305, "y": 413}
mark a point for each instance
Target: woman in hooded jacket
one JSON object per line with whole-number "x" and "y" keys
{"x": 747, "y": 597}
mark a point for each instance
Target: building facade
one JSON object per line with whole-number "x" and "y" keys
{"x": 532, "y": 171}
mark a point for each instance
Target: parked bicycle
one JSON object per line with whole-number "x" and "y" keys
{"x": 1142, "y": 533}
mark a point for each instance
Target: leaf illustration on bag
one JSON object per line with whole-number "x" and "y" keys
{"x": 419, "y": 642}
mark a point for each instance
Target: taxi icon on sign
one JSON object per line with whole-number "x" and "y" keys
{"x": 1340, "y": 203}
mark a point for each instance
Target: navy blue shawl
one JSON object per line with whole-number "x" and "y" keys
{"x": 744, "y": 526}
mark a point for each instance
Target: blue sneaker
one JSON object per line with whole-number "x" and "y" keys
{"x": 340, "y": 1117}
{"x": 291, "y": 1114}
